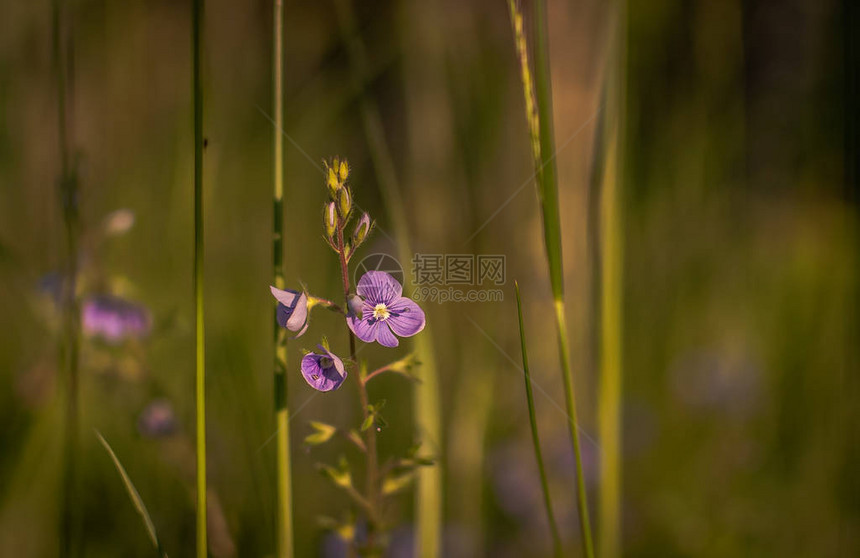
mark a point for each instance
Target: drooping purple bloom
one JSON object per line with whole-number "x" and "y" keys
{"x": 385, "y": 313}
{"x": 323, "y": 371}
{"x": 114, "y": 319}
{"x": 292, "y": 310}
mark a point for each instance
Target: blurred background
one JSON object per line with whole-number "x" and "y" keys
{"x": 739, "y": 291}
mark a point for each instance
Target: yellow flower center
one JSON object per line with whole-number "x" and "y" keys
{"x": 380, "y": 312}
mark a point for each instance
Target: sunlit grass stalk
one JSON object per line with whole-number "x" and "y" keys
{"x": 70, "y": 345}
{"x": 284, "y": 527}
{"x": 428, "y": 423}
{"x": 611, "y": 262}
{"x": 135, "y": 497}
{"x": 556, "y": 539}
{"x": 543, "y": 146}
{"x": 200, "y": 384}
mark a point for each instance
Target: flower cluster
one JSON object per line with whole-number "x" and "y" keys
{"x": 375, "y": 310}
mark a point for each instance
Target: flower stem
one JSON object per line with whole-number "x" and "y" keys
{"x": 372, "y": 473}
{"x": 200, "y": 384}
{"x": 428, "y": 420}
{"x": 284, "y": 521}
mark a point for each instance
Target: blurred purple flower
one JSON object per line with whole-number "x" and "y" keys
{"x": 114, "y": 319}
{"x": 292, "y": 310}
{"x": 384, "y": 312}
{"x": 323, "y": 371}
{"x": 157, "y": 420}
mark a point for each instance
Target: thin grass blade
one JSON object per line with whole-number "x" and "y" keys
{"x": 543, "y": 147}
{"x": 197, "y": 19}
{"x": 135, "y": 497}
{"x": 284, "y": 525}
{"x": 556, "y": 539}
{"x": 611, "y": 290}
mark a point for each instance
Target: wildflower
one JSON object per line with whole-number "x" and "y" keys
{"x": 114, "y": 318}
{"x": 157, "y": 419}
{"x": 385, "y": 312}
{"x": 323, "y": 371}
{"x": 292, "y": 310}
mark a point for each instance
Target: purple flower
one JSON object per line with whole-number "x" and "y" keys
{"x": 323, "y": 371}
{"x": 114, "y": 319}
{"x": 292, "y": 310}
{"x": 385, "y": 312}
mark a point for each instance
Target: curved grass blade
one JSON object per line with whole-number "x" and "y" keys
{"x": 135, "y": 497}
{"x": 543, "y": 148}
{"x": 556, "y": 539}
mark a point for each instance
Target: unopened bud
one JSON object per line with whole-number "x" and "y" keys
{"x": 331, "y": 180}
{"x": 362, "y": 229}
{"x": 330, "y": 218}
{"x": 355, "y": 306}
{"x": 343, "y": 171}
{"x": 344, "y": 203}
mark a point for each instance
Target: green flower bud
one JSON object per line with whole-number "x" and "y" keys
{"x": 344, "y": 203}
{"x": 330, "y": 218}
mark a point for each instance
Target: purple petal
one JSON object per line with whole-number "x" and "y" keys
{"x": 379, "y": 287}
{"x": 385, "y": 337}
{"x": 406, "y": 318}
{"x": 286, "y": 297}
{"x": 319, "y": 378}
{"x": 364, "y": 329}
{"x": 299, "y": 316}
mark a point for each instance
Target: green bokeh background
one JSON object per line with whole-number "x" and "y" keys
{"x": 740, "y": 284}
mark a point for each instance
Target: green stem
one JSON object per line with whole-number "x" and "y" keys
{"x": 556, "y": 539}
{"x": 200, "y": 384}
{"x": 70, "y": 345}
{"x": 428, "y": 423}
{"x": 372, "y": 484}
{"x": 284, "y": 526}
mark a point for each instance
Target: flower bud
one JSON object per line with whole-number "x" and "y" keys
{"x": 355, "y": 305}
{"x": 344, "y": 203}
{"x": 362, "y": 229}
{"x": 330, "y": 218}
{"x": 343, "y": 171}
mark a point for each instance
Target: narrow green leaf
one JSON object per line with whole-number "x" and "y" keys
{"x": 394, "y": 483}
{"x": 368, "y": 422}
{"x": 556, "y": 539}
{"x": 323, "y": 433}
{"x": 134, "y": 495}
